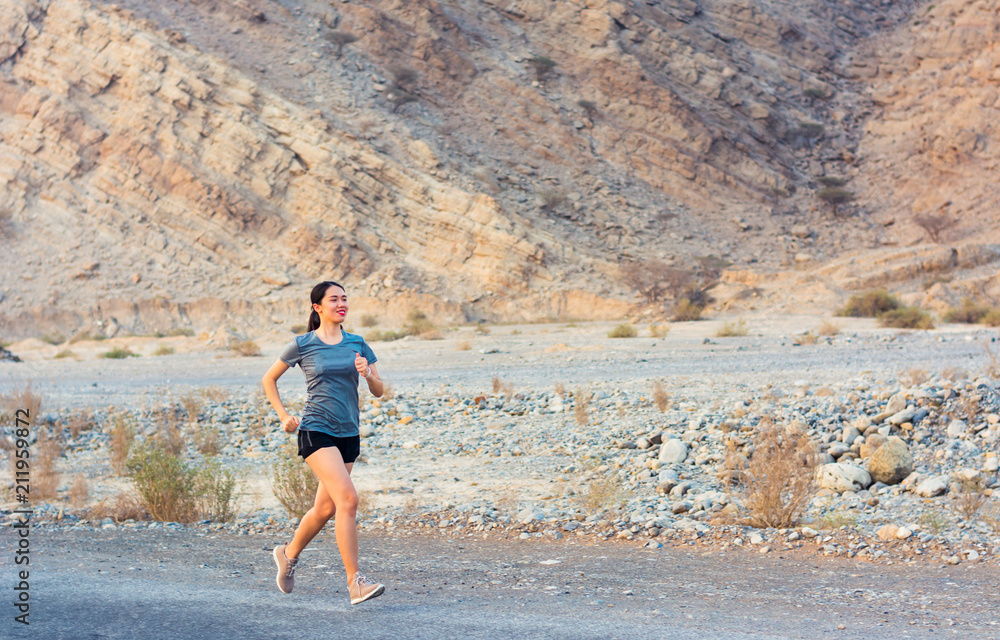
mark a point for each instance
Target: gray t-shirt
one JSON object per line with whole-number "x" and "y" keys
{"x": 331, "y": 381}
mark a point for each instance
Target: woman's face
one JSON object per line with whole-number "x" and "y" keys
{"x": 334, "y": 305}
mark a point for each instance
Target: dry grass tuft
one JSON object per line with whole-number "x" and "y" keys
{"x": 22, "y": 397}
{"x": 45, "y": 478}
{"x": 971, "y": 497}
{"x": 192, "y": 403}
{"x": 954, "y": 373}
{"x": 659, "y": 330}
{"x": 505, "y": 388}
{"x": 806, "y": 338}
{"x": 508, "y": 501}
{"x": 660, "y": 396}
{"x": 367, "y": 503}
{"x": 122, "y": 437}
{"x": 206, "y": 439}
{"x": 778, "y": 480}
{"x": 828, "y": 328}
{"x": 79, "y": 492}
{"x": 603, "y": 495}
{"x": 124, "y": 506}
{"x": 293, "y": 482}
{"x": 245, "y": 348}
{"x": 732, "y": 329}
{"x": 624, "y": 330}
{"x": 913, "y": 377}
{"x": 560, "y": 390}
{"x": 581, "y": 406}
{"x": 463, "y": 345}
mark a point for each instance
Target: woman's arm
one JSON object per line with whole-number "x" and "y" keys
{"x": 270, "y": 382}
{"x": 369, "y": 373}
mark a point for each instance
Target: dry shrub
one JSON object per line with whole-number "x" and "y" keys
{"x": 778, "y": 480}
{"x": 22, "y": 397}
{"x": 971, "y": 496}
{"x": 806, "y": 338}
{"x": 992, "y": 367}
{"x": 624, "y": 330}
{"x": 828, "y": 329}
{"x": 122, "y": 437}
{"x": 45, "y": 478}
{"x": 685, "y": 311}
{"x": 581, "y": 406}
{"x": 122, "y": 507}
{"x": 215, "y": 394}
{"x": 954, "y": 373}
{"x": 969, "y": 312}
{"x": 991, "y": 516}
{"x": 206, "y": 438}
{"x": 79, "y": 421}
{"x": 913, "y": 377}
{"x": 164, "y": 350}
{"x": 655, "y": 280}
{"x": 192, "y": 403}
{"x": 560, "y": 390}
{"x": 463, "y": 345}
{"x": 659, "y": 330}
{"x": 603, "y": 495}
{"x": 505, "y": 388}
{"x": 388, "y": 393}
{"x": 732, "y": 329}
{"x": 906, "y": 318}
{"x": 508, "y": 501}
{"x": 245, "y": 348}
{"x": 293, "y": 482}
{"x": 79, "y": 492}
{"x": 367, "y": 503}
{"x": 168, "y": 432}
{"x": 660, "y": 396}
{"x": 870, "y": 304}
{"x": 934, "y": 224}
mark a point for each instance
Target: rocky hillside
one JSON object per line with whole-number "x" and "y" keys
{"x": 190, "y": 163}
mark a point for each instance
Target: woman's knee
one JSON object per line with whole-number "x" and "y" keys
{"x": 348, "y": 501}
{"x": 325, "y": 510}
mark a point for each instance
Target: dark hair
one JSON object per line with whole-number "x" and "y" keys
{"x": 317, "y": 295}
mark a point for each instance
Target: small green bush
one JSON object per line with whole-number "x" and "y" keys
{"x": 906, "y": 318}
{"x": 870, "y": 304}
{"x": 119, "y": 353}
{"x": 65, "y": 353}
{"x": 624, "y": 330}
{"x": 84, "y": 334}
{"x": 54, "y": 338}
{"x": 215, "y": 488}
{"x": 163, "y": 350}
{"x": 180, "y": 331}
{"x": 293, "y": 482}
{"x": 166, "y": 485}
{"x": 968, "y": 312}
{"x": 542, "y": 66}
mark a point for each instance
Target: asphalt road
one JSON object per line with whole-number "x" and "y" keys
{"x": 188, "y": 584}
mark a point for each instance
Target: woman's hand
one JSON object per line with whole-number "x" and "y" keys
{"x": 290, "y": 424}
{"x": 361, "y": 364}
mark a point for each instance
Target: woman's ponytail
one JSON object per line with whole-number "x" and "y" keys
{"x": 316, "y": 297}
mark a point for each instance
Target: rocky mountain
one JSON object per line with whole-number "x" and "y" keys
{"x": 202, "y": 162}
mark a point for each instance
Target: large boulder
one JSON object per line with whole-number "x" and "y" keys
{"x": 891, "y": 462}
{"x": 841, "y": 477}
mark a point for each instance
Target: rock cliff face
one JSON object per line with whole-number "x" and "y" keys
{"x": 173, "y": 163}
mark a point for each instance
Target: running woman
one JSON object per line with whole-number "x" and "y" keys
{"x": 329, "y": 441}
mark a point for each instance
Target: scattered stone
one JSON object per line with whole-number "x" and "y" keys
{"x": 841, "y": 477}
{"x": 933, "y": 486}
{"x": 891, "y": 463}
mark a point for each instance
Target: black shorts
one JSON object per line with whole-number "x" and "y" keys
{"x": 312, "y": 441}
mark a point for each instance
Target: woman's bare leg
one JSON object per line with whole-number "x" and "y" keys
{"x": 335, "y": 477}
{"x": 313, "y": 521}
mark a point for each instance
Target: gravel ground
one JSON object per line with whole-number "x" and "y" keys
{"x": 186, "y": 583}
